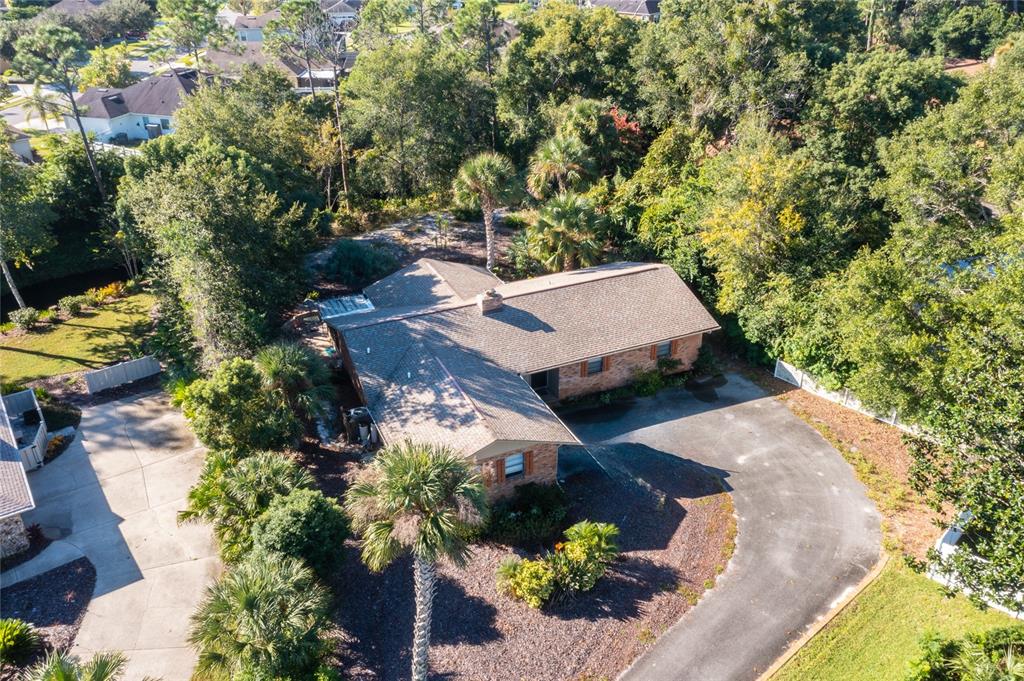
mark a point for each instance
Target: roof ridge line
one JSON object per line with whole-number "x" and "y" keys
{"x": 398, "y": 316}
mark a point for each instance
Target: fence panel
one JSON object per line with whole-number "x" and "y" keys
{"x": 120, "y": 374}
{"x": 788, "y": 373}
{"x": 20, "y": 402}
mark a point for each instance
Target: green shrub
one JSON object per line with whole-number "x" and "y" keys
{"x": 533, "y": 515}
{"x": 531, "y": 581}
{"x": 71, "y": 306}
{"x": 358, "y": 263}
{"x": 304, "y": 524}
{"x": 972, "y": 657}
{"x": 18, "y": 640}
{"x": 25, "y": 318}
{"x": 176, "y": 387}
{"x": 132, "y": 286}
{"x": 48, "y": 316}
{"x": 706, "y": 363}
{"x": 7, "y": 327}
{"x": 648, "y": 382}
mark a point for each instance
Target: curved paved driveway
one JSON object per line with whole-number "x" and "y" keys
{"x": 807, "y": 531}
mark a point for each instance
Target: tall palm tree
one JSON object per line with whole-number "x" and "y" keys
{"x": 560, "y": 161}
{"x": 417, "y": 499}
{"x": 484, "y": 181}
{"x": 565, "y": 234}
{"x": 62, "y": 666}
{"x": 231, "y": 494}
{"x": 41, "y": 104}
{"x": 261, "y": 620}
{"x": 296, "y": 375}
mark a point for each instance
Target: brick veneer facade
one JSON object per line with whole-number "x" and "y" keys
{"x": 621, "y": 367}
{"x": 540, "y": 464}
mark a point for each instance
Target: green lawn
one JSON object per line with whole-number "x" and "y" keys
{"x": 877, "y": 634}
{"x": 97, "y": 338}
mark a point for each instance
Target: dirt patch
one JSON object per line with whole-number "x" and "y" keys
{"x": 879, "y": 456}
{"x": 677, "y": 530}
{"x": 53, "y": 602}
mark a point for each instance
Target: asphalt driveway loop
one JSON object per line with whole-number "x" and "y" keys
{"x": 807, "y": 533}
{"x": 114, "y": 497}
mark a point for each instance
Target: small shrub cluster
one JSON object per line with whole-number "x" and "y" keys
{"x": 304, "y": 524}
{"x": 98, "y": 296}
{"x": 533, "y": 515}
{"x": 648, "y": 382}
{"x": 358, "y": 263}
{"x": 48, "y": 316}
{"x": 985, "y": 655}
{"x": 18, "y": 641}
{"x": 573, "y": 567}
{"x": 71, "y": 306}
{"x": 25, "y": 318}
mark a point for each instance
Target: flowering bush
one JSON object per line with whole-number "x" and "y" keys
{"x": 573, "y": 567}
{"x": 25, "y": 318}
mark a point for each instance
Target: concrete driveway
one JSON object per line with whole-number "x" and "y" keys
{"x": 807, "y": 531}
{"x": 113, "y": 497}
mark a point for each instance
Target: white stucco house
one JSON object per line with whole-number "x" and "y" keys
{"x": 138, "y": 112}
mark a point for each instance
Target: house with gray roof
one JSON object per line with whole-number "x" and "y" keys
{"x": 447, "y": 353}
{"x": 641, "y": 10}
{"x": 138, "y": 112}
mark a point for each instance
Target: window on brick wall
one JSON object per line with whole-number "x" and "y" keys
{"x": 663, "y": 350}
{"x": 595, "y": 366}
{"x": 515, "y": 465}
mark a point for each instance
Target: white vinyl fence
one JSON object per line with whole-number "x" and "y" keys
{"x": 16, "y": 405}
{"x": 804, "y": 381}
{"x": 119, "y": 374}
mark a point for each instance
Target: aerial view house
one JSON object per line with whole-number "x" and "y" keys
{"x": 447, "y": 353}
{"x": 641, "y": 10}
{"x": 249, "y": 28}
{"x": 76, "y": 8}
{"x": 138, "y": 112}
{"x": 229, "y": 63}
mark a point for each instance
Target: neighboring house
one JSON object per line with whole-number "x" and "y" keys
{"x": 446, "y": 353}
{"x": 74, "y": 8}
{"x": 230, "y": 63}
{"x": 250, "y": 28}
{"x": 23, "y": 439}
{"x": 19, "y": 143}
{"x": 138, "y": 112}
{"x": 642, "y": 10}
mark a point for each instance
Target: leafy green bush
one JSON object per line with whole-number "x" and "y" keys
{"x": 648, "y": 382}
{"x": 71, "y": 306}
{"x": 706, "y": 363}
{"x": 48, "y": 316}
{"x": 25, "y": 318}
{"x": 18, "y": 640}
{"x": 574, "y": 566}
{"x": 233, "y": 411}
{"x": 982, "y": 655}
{"x": 7, "y": 327}
{"x": 304, "y": 524}
{"x": 358, "y": 263}
{"x": 533, "y": 515}
{"x": 531, "y": 581}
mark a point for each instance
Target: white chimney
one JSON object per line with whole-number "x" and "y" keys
{"x": 488, "y": 301}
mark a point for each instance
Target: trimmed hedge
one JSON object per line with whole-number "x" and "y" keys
{"x": 304, "y": 524}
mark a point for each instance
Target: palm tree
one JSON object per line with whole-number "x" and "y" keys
{"x": 61, "y": 666}
{"x": 565, "y": 234}
{"x": 417, "y": 499}
{"x": 975, "y": 664}
{"x": 261, "y": 620}
{"x": 231, "y": 494}
{"x": 484, "y": 181}
{"x": 41, "y": 104}
{"x": 296, "y": 375}
{"x": 560, "y": 161}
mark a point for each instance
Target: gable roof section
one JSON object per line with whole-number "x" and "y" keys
{"x": 430, "y": 282}
{"x": 15, "y": 494}
{"x": 76, "y": 7}
{"x": 159, "y": 95}
{"x": 633, "y": 8}
{"x": 445, "y": 372}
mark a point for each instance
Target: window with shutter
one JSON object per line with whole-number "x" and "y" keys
{"x": 528, "y": 463}
{"x": 499, "y": 471}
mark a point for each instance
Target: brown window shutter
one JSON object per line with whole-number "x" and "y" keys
{"x": 654, "y": 352}
{"x": 606, "y": 363}
{"x": 499, "y": 470}
{"x": 583, "y": 369}
{"x": 528, "y": 463}
{"x": 675, "y": 347}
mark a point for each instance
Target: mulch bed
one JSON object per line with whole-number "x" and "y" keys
{"x": 54, "y": 602}
{"x": 677, "y": 529}
{"x": 37, "y": 541}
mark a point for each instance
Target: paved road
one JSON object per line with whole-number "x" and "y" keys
{"x": 807, "y": 531}
{"x": 113, "y": 497}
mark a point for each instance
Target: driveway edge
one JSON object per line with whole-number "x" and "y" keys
{"x": 797, "y": 645}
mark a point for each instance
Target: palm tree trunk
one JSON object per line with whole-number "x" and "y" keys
{"x": 425, "y": 577}
{"x": 85, "y": 140}
{"x": 569, "y": 262}
{"x": 492, "y": 248}
{"x": 10, "y": 283}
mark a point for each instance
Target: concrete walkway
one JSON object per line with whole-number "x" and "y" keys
{"x": 807, "y": 531}
{"x": 113, "y": 497}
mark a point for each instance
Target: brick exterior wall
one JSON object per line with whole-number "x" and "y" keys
{"x": 620, "y": 368}
{"x": 544, "y": 470}
{"x": 12, "y": 536}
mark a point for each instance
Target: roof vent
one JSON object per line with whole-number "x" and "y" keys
{"x": 489, "y": 301}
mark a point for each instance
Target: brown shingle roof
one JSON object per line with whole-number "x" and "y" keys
{"x": 430, "y": 282}
{"x": 543, "y": 323}
{"x": 15, "y": 494}
{"x": 159, "y": 95}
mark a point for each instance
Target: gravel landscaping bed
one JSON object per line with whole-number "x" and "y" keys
{"x": 54, "y": 602}
{"x": 37, "y": 541}
{"x": 677, "y": 530}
